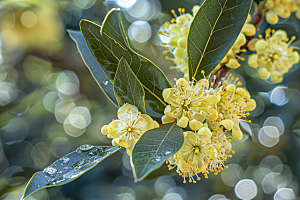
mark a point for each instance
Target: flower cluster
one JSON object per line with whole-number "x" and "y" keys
{"x": 210, "y": 113}
{"x": 273, "y": 55}
{"x": 281, "y": 8}
{"x": 129, "y": 126}
{"x": 177, "y": 32}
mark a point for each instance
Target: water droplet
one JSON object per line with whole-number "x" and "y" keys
{"x": 85, "y": 147}
{"x": 50, "y": 171}
{"x": 66, "y": 167}
{"x": 167, "y": 153}
{"x": 78, "y": 151}
{"x": 65, "y": 160}
{"x": 38, "y": 186}
{"x": 105, "y": 82}
{"x": 157, "y": 159}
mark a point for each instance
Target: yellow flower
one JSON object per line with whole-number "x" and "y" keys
{"x": 177, "y": 32}
{"x": 202, "y": 152}
{"x": 129, "y": 126}
{"x": 188, "y": 101}
{"x": 273, "y": 55}
{"x": 234, "y": 105}
{"x": 282, "y": 8}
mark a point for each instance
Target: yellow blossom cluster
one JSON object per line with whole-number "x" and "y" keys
{"x": 129, "y": 126}
{"x": 281, "y": 8}
{"x": 177, "y": 32}
{"x": 232, "y": 56}
{"x": 210, "y": 113}
{"x": 273, "y": 55}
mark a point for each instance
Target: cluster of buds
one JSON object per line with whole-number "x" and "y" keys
{"x": 273, "y": 55}
{"x": 177, "y": 31}
{"x": 281, "y": 8}
{"x": 231, "y": 60}
{"x": 129, "y": 126}
{"x": 210, "y": 113}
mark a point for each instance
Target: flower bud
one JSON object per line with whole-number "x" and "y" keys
{"x": 261, "y": 45}
{"x": 241, "y": 92}
{"x": 195, "y": 125}
{"x": 281, "y": 33}
{"x": 237, "y": 134}
{"x": 179, "y": 53}
{"x": 181, "y": 82}
{"x": 252, "y": 61}
{"x": 168, "y": 112}
{"x": 272, "y": 18}
{"x": 184, "y": 31}
{"x": 195, "y": 9}
{"x": 165, "y": 119}
{"x": 205, "y": 131}
{"x": 166, "y": 93}
{"x": 249, "y": 29}
{"x": 182, "y": 42}
{"x": 264, "y": 73}
{"x": 241, "y": 40}
{"x": 233, "y": 64}
{"x": 173, "y": 41}
{"x": 104, "y": 130}
{"x": 251, "y": 44}
{"x": 227, "y": 123}
{"x": 175, "y": 28}
{"x": 180, "y": 19}
{"x": 213, "y": 115}
{"x": 276, "y": 77}
{"x": 183, "y": 122}
{"x": 251, "y": 104}
{"x": 230, "y": 88}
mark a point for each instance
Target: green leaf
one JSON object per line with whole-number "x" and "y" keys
{"x": 261, "y": 6}
{"x": 128, "y": 88}
{"x": 213, "y": 31}
{"x": 97, "y": 73}
{"x": 108, "y": 46}
{"x": 68, "y": 168}
{"x": 153, "y": 148}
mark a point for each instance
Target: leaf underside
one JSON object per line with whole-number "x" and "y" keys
{"x": 96, "y": 71}
{"x": 153, "y": 148}
{"x": 128, "y": 88}
{"x": 109, "y": 44}
{"x": 68, "y": 168}
{"x": 213, "y": 31}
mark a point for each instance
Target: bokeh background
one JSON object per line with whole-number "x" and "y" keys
{"x": 50, "y": 105}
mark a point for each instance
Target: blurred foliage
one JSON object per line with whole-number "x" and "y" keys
{"x": 46, "y": 92}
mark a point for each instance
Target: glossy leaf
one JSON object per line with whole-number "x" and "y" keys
{"x": 153, "y": 148}
{"x": 109, "y": 44}
{"x": 96, "y": 71}
{"x": 213, "y": 31}
{"x": 128, "y": 88}
{"x": 68, "y": 168}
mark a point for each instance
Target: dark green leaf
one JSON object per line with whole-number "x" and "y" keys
{"x": 97, "y": 73}
{"x": 213, "y": 31}
{"x": 68, "y": 168}
{"x": 153, "y": 148}
{"x": 109, "y": 46}
{"x": 128, "y": 88}
{"x": 162, "y": 171}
